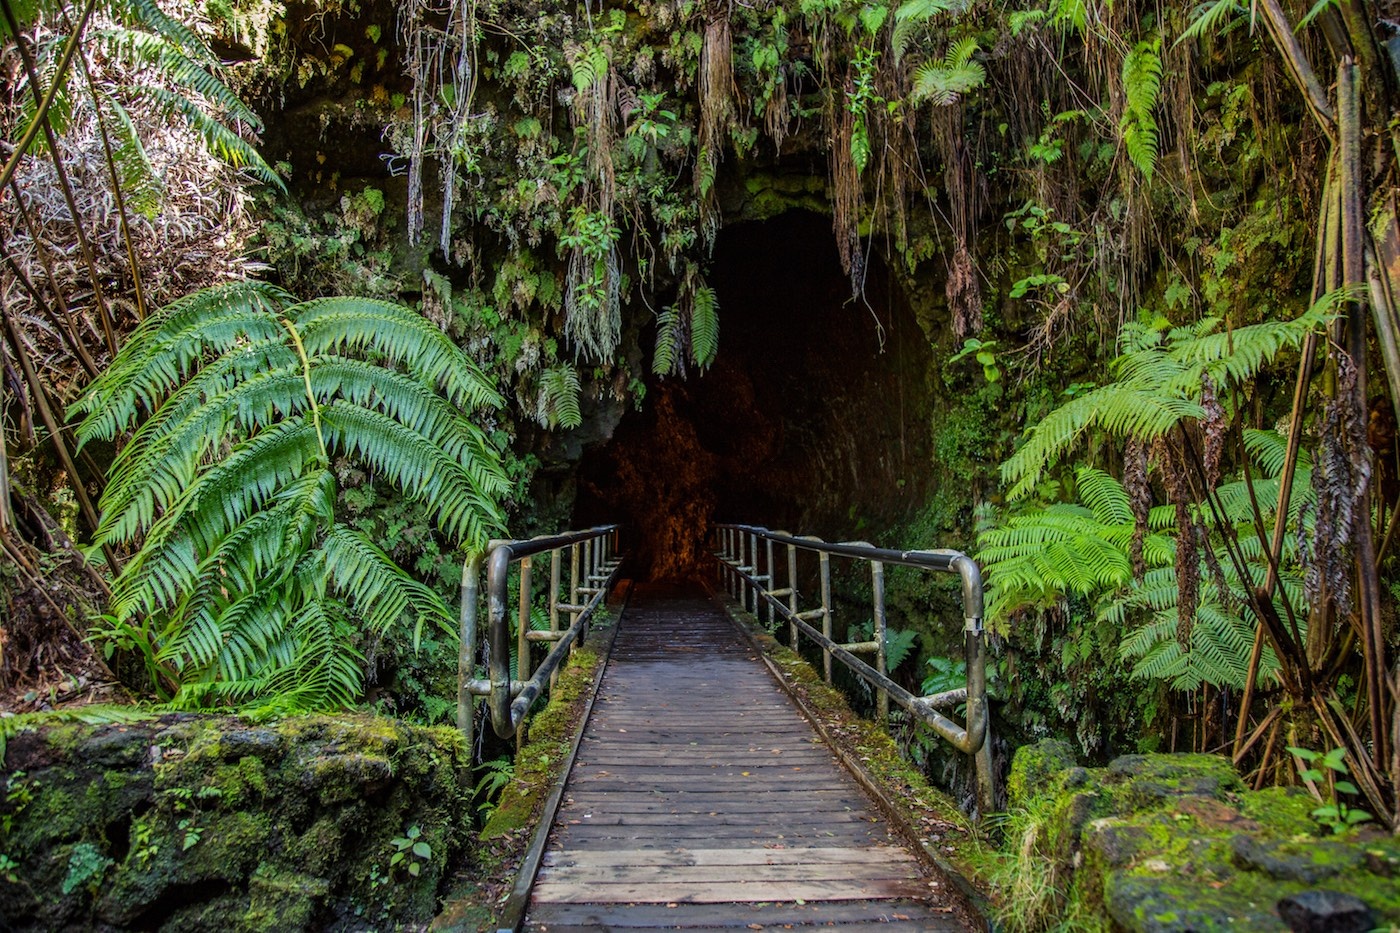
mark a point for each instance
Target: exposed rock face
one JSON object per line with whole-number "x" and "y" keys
{"x": 1176, "y": 843}
{"x": 200, "y": 823}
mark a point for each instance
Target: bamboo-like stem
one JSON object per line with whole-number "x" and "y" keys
{"x": 65, "y": 61}
{"x": 1354, "y": 274}
{"x": 40, "y": 395}
{"x": 1321, "y": 261}
{"x": 1281, "y": 31}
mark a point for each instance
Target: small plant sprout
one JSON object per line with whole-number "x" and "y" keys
{"x": 410, "y": 851}
{"x": 1331, "y": 767}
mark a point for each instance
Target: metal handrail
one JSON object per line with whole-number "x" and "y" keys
{"x": 593, "y": 566}
{"x": 740, "y": 564}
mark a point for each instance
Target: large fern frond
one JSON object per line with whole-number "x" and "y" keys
{"x": 244, "y": 586}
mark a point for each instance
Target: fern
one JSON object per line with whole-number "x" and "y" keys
{"x": 1158, "y": 386}
{"x": 914, "y": 15}
{"x": 245, "y": 588}
{"x": 1142, "y": 83}
{"x": 1210, "y": 19}
{"x": 704, "y": 326}
{"x": 668, "y": 353}
{"x": 558, "y": 402}
{"x": 942, "y": 83}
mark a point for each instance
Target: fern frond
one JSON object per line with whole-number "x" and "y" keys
{"x": 138, "y": 48}
{"x": 667, "y": 354}
{"x": 376, "y": 588}
{"x": 242, "y": 582}
{"x": 1104, "y": 495}
{"x": 222, "y": 141}
{"x": 558, "y": 403}
{"x": 1210, "y": 18}
{"x": 365, "y": 326}
{"x": 704, "y": 327}
{"x": 1142, "y": 82}
{"x": 943, "y": 82}
{"x": 462, "y": 495}
{"x": 140, "y": 185}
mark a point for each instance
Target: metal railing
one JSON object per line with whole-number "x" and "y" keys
{"x": 751, "y": 577}
{"x": 593, "y": 566}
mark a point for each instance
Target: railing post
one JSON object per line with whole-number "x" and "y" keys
{"x": 877, "y": 589}
{"x": 792, "y": 594}
{"x": 738, "y": 591}
{"x": 554, "y": 569}
{"x": 753, "y": 562}
{"x": 573, "y": 582}
{"x": 772, "y": 578}
{"x": 522, "y": 635}
{"x": 466, "y": 652}
{"x": 826, "y": 613}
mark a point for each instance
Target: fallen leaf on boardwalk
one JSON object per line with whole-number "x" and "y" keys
{"x": 899, "y": 916}
{"x": 744, "y": 773}
{"x": 755, "y": 926}
{"x": 673, "y": 904}
{"x": 801, "y": 902}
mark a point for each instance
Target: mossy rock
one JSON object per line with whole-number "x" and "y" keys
{"x": 1035, "y": 768}
{"x": 210, "y": 823}
{"x": 1175, "y": 843}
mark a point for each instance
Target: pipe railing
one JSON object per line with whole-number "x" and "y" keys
{"x": 750, "y": 575}
{"x": 593, "y": 566}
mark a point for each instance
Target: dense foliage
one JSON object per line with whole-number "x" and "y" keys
{"x": 1151, "y": 245}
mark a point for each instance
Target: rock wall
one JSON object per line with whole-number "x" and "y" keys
{"x": 199, "y": 823}
{"x": 1166, "y": 843}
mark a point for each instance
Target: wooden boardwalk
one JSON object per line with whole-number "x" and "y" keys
{"x": 701, "y": 798}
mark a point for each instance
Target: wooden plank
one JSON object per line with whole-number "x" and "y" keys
{"x": 668, "y": 837}
{"x": 721, "y": 892}
{"x": 671, "y": 876}
{"x": 706, "y": 818}
{"x": 673, "y": 915}
{"x": 831, "y": 856}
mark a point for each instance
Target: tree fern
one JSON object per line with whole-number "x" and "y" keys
{"x": 1157, "y": 386}
{"x": 1142, "y": 83}
{"x": 245, "y": 588}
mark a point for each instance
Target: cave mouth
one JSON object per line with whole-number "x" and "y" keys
{"x": 807, "y": 420}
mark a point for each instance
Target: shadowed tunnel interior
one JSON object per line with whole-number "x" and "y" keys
{"x": 807, "y": 421}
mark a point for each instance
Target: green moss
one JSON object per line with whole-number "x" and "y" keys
{"x": 282, "y": 900}
{"x": 548, "y": 739}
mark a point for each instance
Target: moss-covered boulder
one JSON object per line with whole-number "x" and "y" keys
{"x": 202, "y": 823}
{"x": 1176, "y": 843}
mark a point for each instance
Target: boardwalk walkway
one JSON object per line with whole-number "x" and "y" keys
{"x": 701, "y": 798}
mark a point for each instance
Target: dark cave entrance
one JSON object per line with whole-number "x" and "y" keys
{"x": 812, "y": 419}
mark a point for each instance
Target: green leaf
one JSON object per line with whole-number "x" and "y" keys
{"x": 422, "y": 850}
